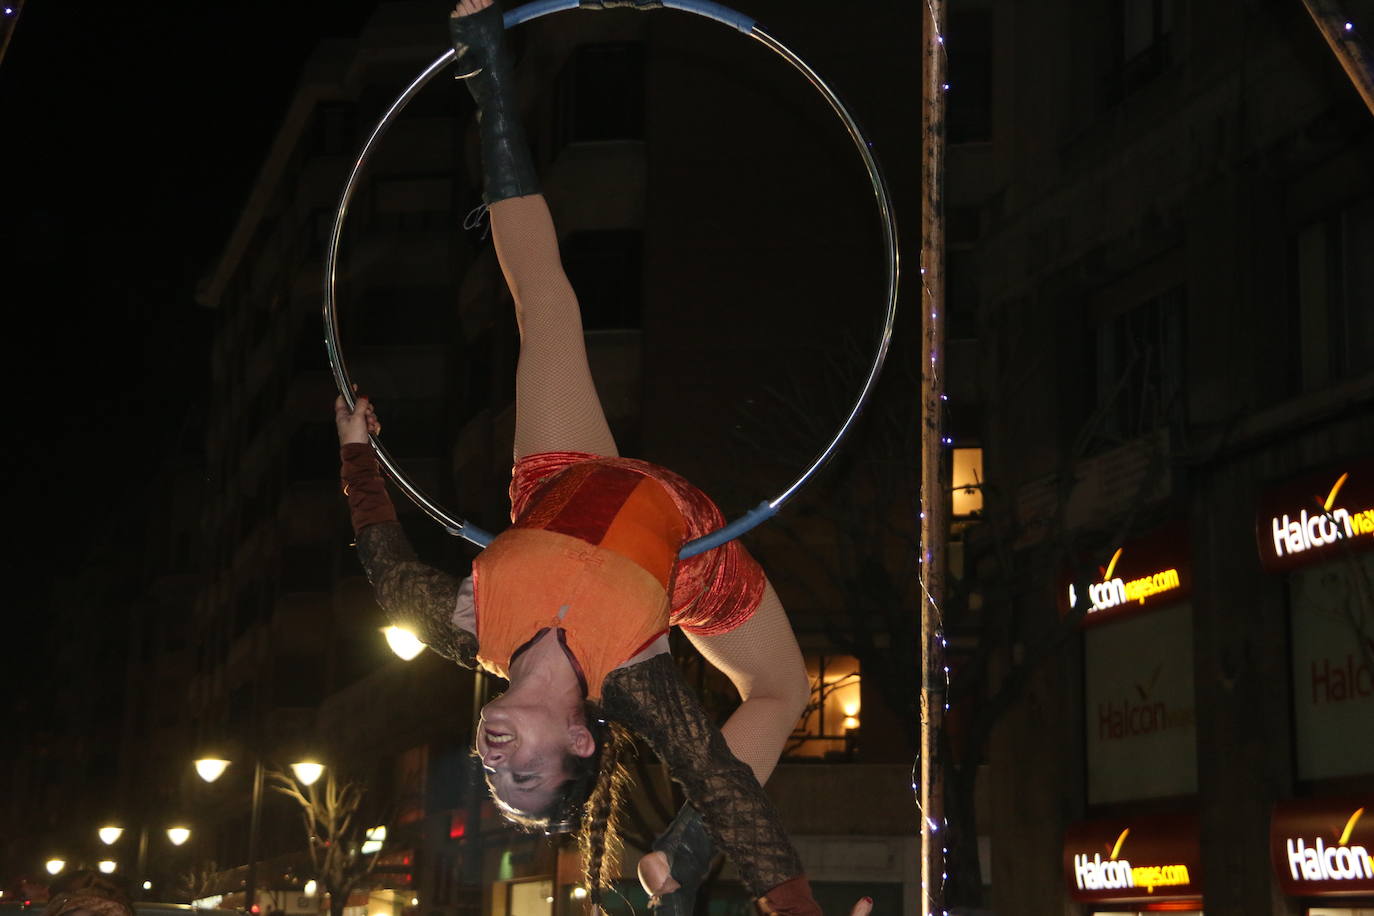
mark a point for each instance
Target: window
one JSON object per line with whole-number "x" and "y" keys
{"x": 403, "y": 316}
{"x": 412, "y": 202}
{"x": 606, "y": 270}
{"x": 831, "y": 717}
{"x": 967, "y": 480}
{"x": 297, "y": 679}
{"x": 962, "y": 226}
{"x": 307, "y": 567}
{"x": 310, "y": 350}
{"x": 601, "y": 94}
{"x": 332, "y": 129}
{"x": 968, "y": 116}
{"x": 1335, "y": 293}
{"x": 1140, "y": 368}
{"x": 313, "y": 453}
{"x": 1144, "y": 30}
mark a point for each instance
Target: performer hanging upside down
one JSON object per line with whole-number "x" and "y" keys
{"x": 573, "y": 603}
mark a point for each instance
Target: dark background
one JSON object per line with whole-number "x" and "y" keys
{"x": 130, "y": 137}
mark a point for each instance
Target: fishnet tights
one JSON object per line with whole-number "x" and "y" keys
{"x": 557, "y": 409}
{"x": 556, "y": 405}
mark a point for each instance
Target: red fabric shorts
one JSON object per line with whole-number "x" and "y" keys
{"x": 712, "y": 592}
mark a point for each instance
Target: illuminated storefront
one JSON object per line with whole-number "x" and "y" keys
{"x": 1322, "y": 850}
{"x": 1140, "y": 731}
{"x": 1318, "y": 531}
{"x": 1135, "y": 864}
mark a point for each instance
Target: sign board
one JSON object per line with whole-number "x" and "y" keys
{"x": 1140, "y": 729}
{"x": 1142, "y": 574}
{"x": 1333, "y": 668}
{"x": 1317, "y": 517}
{"x": 1323, "y": 846}
{"x": 1133, "y": 859}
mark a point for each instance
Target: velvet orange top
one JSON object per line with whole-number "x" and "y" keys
{"x": 594, "y": 555}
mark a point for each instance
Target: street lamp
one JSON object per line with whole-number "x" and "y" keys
{"x": 404, "y": 643}
{"x": 110, "y": 834}
{"x": 55, "y": 865}
{"x": 307, "y": 771}
{"x": 211, "y": 768}
{"x": 107, "y": 866}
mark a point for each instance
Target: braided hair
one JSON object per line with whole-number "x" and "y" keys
{"x": 589, "y": 803}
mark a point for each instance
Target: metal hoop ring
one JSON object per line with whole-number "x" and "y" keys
{"x": 714, "y": 11}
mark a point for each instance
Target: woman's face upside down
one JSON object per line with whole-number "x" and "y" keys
{"x": 524, "y": 748}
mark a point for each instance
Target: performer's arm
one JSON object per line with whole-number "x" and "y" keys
{"x": 651, "y": 699}
{"x": 415, "y": 596}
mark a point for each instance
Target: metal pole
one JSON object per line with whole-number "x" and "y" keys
{"x": 1354, "y": 56}
{"x": 141, "y": 861}
{"x": 250, "y": 886}
{"x": 934, "y": 517}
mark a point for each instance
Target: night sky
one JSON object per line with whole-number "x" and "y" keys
{"x": 130, "y": 138}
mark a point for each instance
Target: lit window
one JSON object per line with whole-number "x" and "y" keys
{"x": 967, "y": 480}
{"x": 833, "y": 714}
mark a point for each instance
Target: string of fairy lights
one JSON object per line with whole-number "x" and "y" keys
{"x": 9, "y": 21}
{"x": 934, "y": 672}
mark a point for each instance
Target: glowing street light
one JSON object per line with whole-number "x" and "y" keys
{"x": 55, "y": 865}
{"x": 211, "y": 768}
{"x": 404, "y": 643}
{"x": 110, "y": 835}
{"x": 307, "y": 771}
{"x": 107, "y": 866}
{"x": 311, "y": 888}
{"x": 178, "y": 835}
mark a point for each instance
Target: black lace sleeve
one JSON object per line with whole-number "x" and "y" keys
{"x": 651, "y": 699}
{"x": 414, "y": 595}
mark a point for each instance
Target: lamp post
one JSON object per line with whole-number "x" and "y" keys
{"x": 177, "y": 834}
{"x": 211, "y": 768}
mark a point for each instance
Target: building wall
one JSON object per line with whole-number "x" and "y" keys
{"x": 1098, "y": 194}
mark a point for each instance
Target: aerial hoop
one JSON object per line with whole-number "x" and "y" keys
{"x": 721, "y": 14}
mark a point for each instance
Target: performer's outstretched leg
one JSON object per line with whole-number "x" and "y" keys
{"x": 556, "y": 406}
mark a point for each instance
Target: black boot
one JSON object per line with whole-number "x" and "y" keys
{"x": 480, "y": 58}
{"x": 689, "y": 849}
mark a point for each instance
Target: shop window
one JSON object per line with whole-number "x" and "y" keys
{"x": 832, "y": 716}
{"x": 601, "y": 94}
{"x": 606, "y": 269}
{"x": 1335, "y": 292}
{"x": 968, "y": 116}
{"x": 530, "y": 898}
{"x": 1140, "y": 361}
